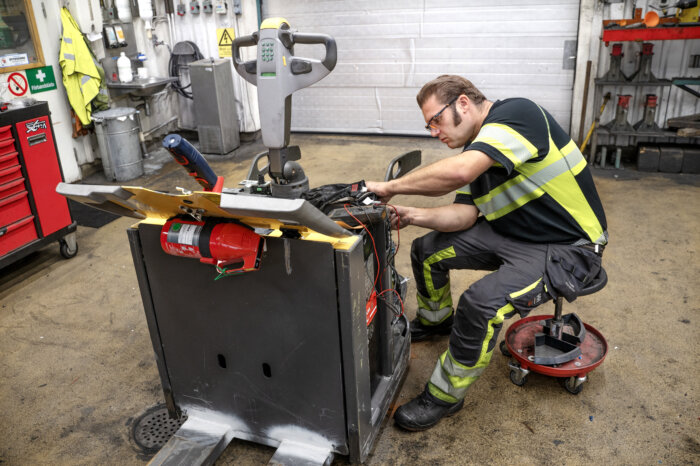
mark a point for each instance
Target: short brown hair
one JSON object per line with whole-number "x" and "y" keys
{"x": 447, "y": 87}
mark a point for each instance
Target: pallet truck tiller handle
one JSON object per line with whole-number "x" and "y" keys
{"x": 314, "y": 70}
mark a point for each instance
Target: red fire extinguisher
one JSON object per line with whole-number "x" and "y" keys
{"x": 217, "y": 242}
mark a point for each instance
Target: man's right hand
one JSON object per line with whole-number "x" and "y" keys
{"x": 381, "y": 189}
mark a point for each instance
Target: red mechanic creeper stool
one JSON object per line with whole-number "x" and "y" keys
{"x": 558, "y": 346}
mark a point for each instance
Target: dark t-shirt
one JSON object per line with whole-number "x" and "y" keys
{"x": 535, "y": 191}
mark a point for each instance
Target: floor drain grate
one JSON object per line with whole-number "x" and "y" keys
{"x": 155, "y": 427}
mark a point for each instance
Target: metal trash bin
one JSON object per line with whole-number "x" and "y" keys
{"x": 117, "y": 132}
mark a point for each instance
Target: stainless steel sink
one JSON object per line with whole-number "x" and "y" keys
{"x": 142, "y": 87}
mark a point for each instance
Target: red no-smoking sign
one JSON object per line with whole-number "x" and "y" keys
{"x": 17, "y": 84}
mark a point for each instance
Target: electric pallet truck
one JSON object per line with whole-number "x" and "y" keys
{"x": 272, "y": 321}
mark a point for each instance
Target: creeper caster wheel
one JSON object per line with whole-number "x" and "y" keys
{"x": 518, "y": 375}
{"x": 517, "y": 378}
{"x": 574, "y": 385}
{"x": 504, "y": 349}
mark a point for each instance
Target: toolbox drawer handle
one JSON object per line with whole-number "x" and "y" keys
{"x": 6, "y": 157}
{"x": 12, "y": 169}
{"x": 10, "y": 185}
{"x": 13, "y": 198}
{"x": 14, "y": 226}
{"x": 7, "y": 142}
{"x": 36, "y": 139}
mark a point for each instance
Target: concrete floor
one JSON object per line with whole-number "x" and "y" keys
{"x": 77, "y": 363}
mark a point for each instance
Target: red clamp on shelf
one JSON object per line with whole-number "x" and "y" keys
{"x": 623, "y": 101}
{"x": 651, "y": 100}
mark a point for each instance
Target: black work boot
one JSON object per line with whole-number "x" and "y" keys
{"x": 424, "y": 411}
{"x": 420, "y": 332}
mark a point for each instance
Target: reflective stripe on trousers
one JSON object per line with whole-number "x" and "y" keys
{"x": 436, "y": 307}
{"x": 451, "y": 379}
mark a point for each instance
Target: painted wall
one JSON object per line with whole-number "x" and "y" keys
{"x": 201, "y": 29}
{"x": 387, "y": 50}
{"x": 72, "y": 152}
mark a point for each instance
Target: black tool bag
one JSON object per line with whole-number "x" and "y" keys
{"x": 569, "y": 270}
{"x": 333, "y": 196}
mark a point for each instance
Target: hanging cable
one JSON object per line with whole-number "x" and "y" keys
{"x": 180, "y": 60}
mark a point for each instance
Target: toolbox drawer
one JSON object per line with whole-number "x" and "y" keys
{"x": 10, "y": 174}
{"x": 5, "y": 132}
{"x": 9, "y": 160}
{"x": 12, "y": 187}
{"x": 17, "y": 234}
{"x": 14, "y": 207}
{"x": 7, "y": 146}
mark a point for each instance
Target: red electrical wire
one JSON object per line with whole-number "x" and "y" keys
{"x": 376, "y": 256}
{"x": 397, "y": 295}
{"x": 398, "y": 222}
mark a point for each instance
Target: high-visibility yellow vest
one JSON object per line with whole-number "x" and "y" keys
{"x": 81, "y": 77}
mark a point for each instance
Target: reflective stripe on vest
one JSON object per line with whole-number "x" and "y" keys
{"x": 553, "y": 175}
{"x": 508, "y": 142}
{"x": 465, "y": 190}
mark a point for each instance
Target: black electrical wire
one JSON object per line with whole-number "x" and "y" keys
{"x": 176, "y": 63}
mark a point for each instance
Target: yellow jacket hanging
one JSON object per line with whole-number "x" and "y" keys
{"x": 80, "y": 75}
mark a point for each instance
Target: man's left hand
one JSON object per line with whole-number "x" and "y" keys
{"x": 399, "y": 216}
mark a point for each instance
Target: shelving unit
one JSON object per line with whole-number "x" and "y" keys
{"x": 659, "y": 86}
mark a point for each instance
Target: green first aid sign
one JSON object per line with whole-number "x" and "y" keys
{"x": 41, "y": 79}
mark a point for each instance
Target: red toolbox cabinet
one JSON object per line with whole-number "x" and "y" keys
{"x": 32, "y": 214}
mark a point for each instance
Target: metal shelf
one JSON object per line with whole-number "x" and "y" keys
{"x": 640, "y": 134}
{"x": 656, "y": 33}
{"x": 660, "y": 82}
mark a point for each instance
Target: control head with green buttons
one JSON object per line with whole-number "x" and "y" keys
{"x": 277, "y": 73}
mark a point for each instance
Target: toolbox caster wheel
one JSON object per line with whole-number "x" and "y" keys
{"x": 504, "y": 349}
{"x": 574, "y": 385}
{"x": 518, "y": 378}
{"x": 66, "y": 250}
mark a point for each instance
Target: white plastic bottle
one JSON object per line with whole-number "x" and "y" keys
{"x": 146, "y": 13}
{"x": 124, "y": 69}
{"x": 123, "y": 10}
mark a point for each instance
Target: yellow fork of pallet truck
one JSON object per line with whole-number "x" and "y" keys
{"x": 157, "y": 207}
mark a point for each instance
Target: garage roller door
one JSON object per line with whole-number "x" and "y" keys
{"x": 388, "y": 49}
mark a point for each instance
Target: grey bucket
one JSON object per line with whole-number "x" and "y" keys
{"x": 117, "y": 132}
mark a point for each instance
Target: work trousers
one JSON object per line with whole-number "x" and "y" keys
{"x": 515, "y": 286}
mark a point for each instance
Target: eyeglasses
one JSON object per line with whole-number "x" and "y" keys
{"x": 429, "y": 127}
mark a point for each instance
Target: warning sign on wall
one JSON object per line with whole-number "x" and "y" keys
{"x": 17, "y": 84}
{"x": 224, "y": 37}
